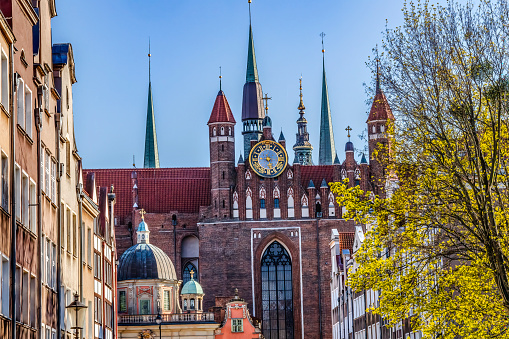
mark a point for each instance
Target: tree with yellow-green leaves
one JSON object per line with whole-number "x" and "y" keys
{"x": 437, "y": 249}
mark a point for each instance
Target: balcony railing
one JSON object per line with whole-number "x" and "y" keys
{"x": 166, "y": 318}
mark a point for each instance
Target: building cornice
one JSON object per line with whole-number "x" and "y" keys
{"x": 29, "y": 11}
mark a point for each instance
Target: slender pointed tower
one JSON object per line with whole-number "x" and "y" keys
{"x": 222, "y": 156}
{"x": 151, "y": 152}
{"x": 379, "y": 115}
{"x": 252, "y": 104}
{"x": 303, "y": 149}
{"x": 327, "y": 149}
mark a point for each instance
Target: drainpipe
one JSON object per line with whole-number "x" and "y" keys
{"x": 111, "y": 199}
{"x": 365, "y": 316}
{"x": 59, "y": 224}
{"x": 319, "y": 277}
{"x": 40, "y": 243}
{"x": 14, "y": 304}
{"x": 79, "y": 189}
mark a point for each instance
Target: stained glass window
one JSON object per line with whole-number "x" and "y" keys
{"x": 277, "y": 297}
{"x": 186, "y": 273}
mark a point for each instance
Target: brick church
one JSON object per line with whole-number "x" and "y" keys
{"x": 261, "y": 223}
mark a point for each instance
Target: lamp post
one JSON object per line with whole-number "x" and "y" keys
{"x": 159, "y": 320}
{"x": 78, "y": 308}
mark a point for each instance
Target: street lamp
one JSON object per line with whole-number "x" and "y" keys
{"x": 159, "y": 320}
{"x": 79, "y": 314}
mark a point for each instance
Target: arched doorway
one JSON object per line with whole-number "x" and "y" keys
{"x": 277, "y": 293}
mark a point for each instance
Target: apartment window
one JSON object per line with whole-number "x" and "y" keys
{"x": 18, "y": 292}
{"x": 47, "y": 175}
{"x": 68, "y": 220}
{"x": 17, "y": 173}
{"x": 53, "y": 266}
{"x": 33, "y": 300}
{"x": 237, "y": 325}
{"x": 97, "y": 310}
{"x": 75, "y": 233}
{"x": 89, "y": 246}
{"x": 45, "y": 92}
{"x": 5, "y": 80}
{"x": 28, "y": 111}
{"x": 4, "y": 172}
{"x": 41, "y": 180}
{"x": 122, "y": 302}
{"x": 108, "y": 274}
{"x": 24, "y": 199}
{"x": 53, "y": 181}
{"x": 4, "y": 291}
{"x": 68, "y": 158}
{"x": 97, "y": 266}
{"x": 166, "y": 300}
{"x": 108, "y": 315}
{"x": 62, "y": 225}
{"x": 33, "y": 207}
{"x": 24, "y": 297}
{"x": 21, "y": 103}
{"x": 48, "y": 262}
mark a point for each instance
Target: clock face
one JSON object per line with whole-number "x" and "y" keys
{"x": 268, "y": 159}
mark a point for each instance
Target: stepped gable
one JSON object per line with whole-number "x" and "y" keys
{"x": 160, "y": 190}
{"x": 316, "y": 173}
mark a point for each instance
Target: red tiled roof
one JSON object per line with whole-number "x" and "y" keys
{"x": 221, "y": 111}
{"x": 317, "y": 174}
{"x": 160, "y": 190}
{"x": 380, "y": 109}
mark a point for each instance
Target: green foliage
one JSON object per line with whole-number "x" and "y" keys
{"x": 437, "y": 245}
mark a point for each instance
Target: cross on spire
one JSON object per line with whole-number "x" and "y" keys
{"x": 142, "y": 213}
{"x": 266, "y": 99}
{"x": 348, "y": 129}
{"x": 322, "y": 35}
{"x": 220, "y": 79}
{"x": 192, "y": 274}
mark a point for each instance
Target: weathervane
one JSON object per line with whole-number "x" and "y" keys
{"x": 220, "y": 77}
{"x": 149, "y": 55}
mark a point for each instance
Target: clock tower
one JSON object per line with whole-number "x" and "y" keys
{"x": 222, "y": 157}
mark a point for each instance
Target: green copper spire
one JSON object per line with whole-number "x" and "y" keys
{"x": 151, "y": 153}
{"x": 327, "y": 148}
{"x": 252, "y": 71}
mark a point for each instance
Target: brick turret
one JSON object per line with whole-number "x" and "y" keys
{"x": 222, "y": 157}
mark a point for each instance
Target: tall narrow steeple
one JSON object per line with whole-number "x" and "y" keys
{"x": 302, "y": 145}
{"x": 252, "y": 104}
{"x": 327, "y": 149}
{"x": 151, "y": 152}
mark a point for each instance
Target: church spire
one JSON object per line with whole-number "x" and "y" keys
{"x": 252, "y": 104}
{"x": 327, "y": 148}
{"x": 151, "y": 152}
{"x": 303, "y": 149}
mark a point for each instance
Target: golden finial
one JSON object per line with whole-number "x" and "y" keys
{"x": 322, "y": 35}
{"x": 192, "y": 274}
{"x": 142, "y": 213}
{"x": 301, "y": 104}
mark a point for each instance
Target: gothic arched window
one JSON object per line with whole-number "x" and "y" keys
{"x": 186, "y": 273}
{"x": 277, "y": 296}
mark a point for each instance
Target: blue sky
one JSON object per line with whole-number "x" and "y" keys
{"x": 189, "y": 41}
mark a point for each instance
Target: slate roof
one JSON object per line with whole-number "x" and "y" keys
{"x": 145, "y": 261}
{"x": 160, "y": 190}
{"x": 221, "y": 111}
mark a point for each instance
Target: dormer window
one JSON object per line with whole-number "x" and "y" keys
{"x": 214, "y": 132}
{"x": 222, "y": 130}
{"x": 237, "y": 325}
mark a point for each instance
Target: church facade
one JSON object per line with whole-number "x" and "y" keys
{"x": 260, "y": 223}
